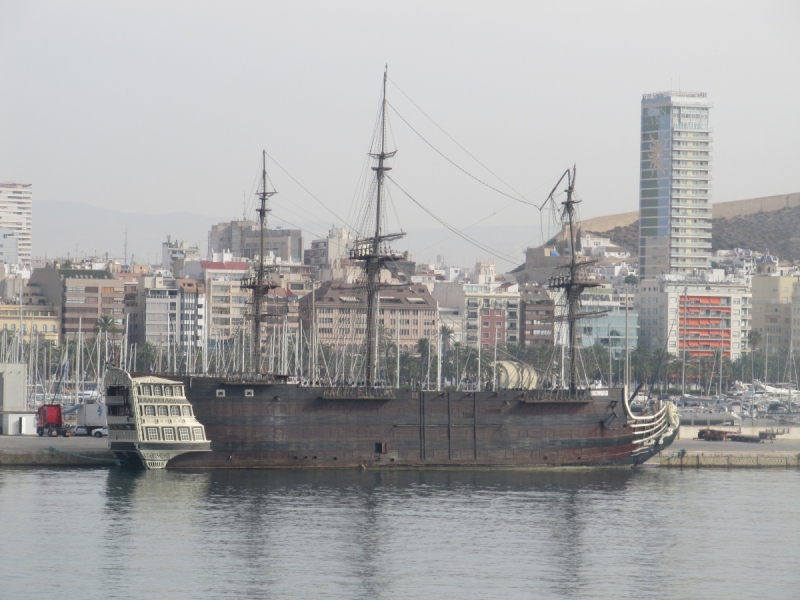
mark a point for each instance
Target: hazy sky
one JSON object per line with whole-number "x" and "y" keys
{"x": 165, "y": 106}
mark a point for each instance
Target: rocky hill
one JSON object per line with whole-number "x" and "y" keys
{"x": 777, "y": 230}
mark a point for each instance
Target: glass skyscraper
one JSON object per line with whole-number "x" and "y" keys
{"x": 675, "y": 184}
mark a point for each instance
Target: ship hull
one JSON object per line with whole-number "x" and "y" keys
{"x": 257, "y": 425}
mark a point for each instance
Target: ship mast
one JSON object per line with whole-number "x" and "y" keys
{"x": 258, "y": 284}
{"x": 571, "y": 278}
{"x": 371, "y": 250}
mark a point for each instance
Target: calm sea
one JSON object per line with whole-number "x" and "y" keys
{"x": 91, "y": 533}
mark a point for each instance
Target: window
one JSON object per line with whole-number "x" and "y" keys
{"x": 175, "y": 411}
{"x": 198, "y": 433}
{"x": 169, "y": 434}
{"x": 183, "y": 434}
{"x": 149, "y": 411}
{"x": 156, "y": 390}
{"x": 145, "y": 390}
{"x": 163, "y": 411}
{"x": 152, "y": 433}
{"x": 187, "y": 411}
{"x": 168, "y": 390}
{"x": 486, "y": 323}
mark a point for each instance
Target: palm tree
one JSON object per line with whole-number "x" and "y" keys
{"x": 106, "y": 324}
{"x": 753, "y": 341}
{"x": 447, "y": 335}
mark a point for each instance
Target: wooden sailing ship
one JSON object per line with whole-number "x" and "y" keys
{"x": 263, "y": 420}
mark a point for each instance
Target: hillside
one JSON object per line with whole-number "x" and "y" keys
{"x": 778, "y": 231}
{"x": 626, "y": 236}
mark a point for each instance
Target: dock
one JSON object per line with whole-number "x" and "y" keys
{"x": 26, "y": 450}
{"x": 780, "y": 454}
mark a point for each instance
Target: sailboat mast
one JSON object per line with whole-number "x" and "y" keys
{"x": 374, "y": 261}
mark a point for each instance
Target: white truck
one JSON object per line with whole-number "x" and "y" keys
{"x": 92, "y": 415}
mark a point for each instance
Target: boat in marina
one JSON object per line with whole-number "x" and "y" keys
{"x": 268, "y": 420}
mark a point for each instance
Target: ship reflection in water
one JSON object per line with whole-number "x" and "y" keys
{"x": 482, "y": 534}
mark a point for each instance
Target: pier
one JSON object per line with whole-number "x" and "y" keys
{"x": 24, "y": 450}
{"x": 686, "y": 453}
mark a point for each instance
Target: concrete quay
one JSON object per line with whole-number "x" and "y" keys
{"x": 88, "y": 451}
{"x": 24, "y": 450}
{"x": 699, "y": 453}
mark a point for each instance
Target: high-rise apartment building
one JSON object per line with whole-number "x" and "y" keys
{"x": 675, "y": 184}
{"x": 16, "y": 200}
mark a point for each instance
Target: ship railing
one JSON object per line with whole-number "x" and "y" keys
{"x": 353, "y": 392}
{"x": 648, "y": 441}
{"x": 647, "y": 420}
{"x": 656, "y": 431}
{"x": 652, "y": 428}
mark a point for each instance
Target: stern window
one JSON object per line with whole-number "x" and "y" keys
{"x": 149, "y": 411}
{"x": 169, "y": 434}
{"x": 156, "y": 390}
{"x": 178, "y": 390}
{"x": 175, "y": 411}
{"x": 168, "y": 390}
{"x": 163, "y": 411}
{"x": 146, "y": 390}
{"x": 198, "y": 433}
{"x": 183, "y": 433}
{"x": 152, "y": 433}
{"x": 187, "y": 411}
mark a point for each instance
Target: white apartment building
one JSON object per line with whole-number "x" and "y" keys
{"x": 675, "y": 184}
{"x": 16, "y": 202}
{"x": 689, "y": 313}
{"x": 226, "y": 302}
{"x": 172, "y": 312}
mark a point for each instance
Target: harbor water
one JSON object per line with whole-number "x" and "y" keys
{"x": 653, "y": 533}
